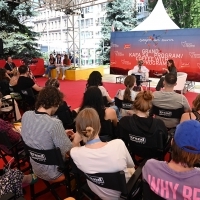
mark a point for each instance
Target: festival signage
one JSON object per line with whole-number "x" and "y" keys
{"x": 155, "y": 48}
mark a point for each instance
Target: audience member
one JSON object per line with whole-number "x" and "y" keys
{"x": 12, "y": 133}
{"x": 4, "y": 82}
{"x": 40, "y": 130}
{"x": 50, "y": 66}
{"x": 66, "y": 65}
{"x": 141, "y": 124}
{"x": 58, "y": 64}
{"x": 93, "y": 98}
{"x": 25, "y": 82}
{"x": 168, "y": 99}
{"x": 95, "y": 79}
{"x": 195, "y": 114}
{"x": 97, "y": 156}
{"x": 14, "y": 80}
{"x": 127, "y": 94}
{"x": 9, "y": 66}
{"x": 170, "y": 69}
{"x": 178, "y": 179}
{"x": 63, "y": 112}
{"x": 140, "y": 71}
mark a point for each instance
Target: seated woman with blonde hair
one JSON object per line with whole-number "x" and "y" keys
{"x": 195, "y": 114}
{"x": 97, "y": 156}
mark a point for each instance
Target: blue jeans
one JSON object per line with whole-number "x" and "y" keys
{"x": 48, "y": 70}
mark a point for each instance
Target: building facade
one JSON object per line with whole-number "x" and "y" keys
{"x": 57, "y": 34}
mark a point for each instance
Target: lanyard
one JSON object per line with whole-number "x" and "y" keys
{"x": 93, "y": 141}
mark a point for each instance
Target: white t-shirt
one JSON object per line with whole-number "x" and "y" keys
{"x": 143, "y": 69}
{"x": 103, "y": 91}
{"x": 120, "y": 94}
{"x": 112, "y": 157}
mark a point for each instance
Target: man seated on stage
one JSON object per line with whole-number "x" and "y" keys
{"x": 139, "y": 71}
{"x": 9, "y": 66}
{"x": 25, "y": 82}
{"x": 169, "y": 99}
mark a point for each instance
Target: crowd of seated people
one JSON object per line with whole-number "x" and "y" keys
{"x": 49, "y": 126}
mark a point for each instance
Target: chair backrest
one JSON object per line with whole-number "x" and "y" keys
{"x": 167, "y": 113}
{"x": 126, "y": 105}
{"x": 181, "y": 80}
{"x": 107, "y": 130}
{"x": 114, "y": 181}
{"x": 148, "y": 194}
{"x": 4, "y": 140}
{"x": 142, "y": 144}
{"x": 45, "y": 157}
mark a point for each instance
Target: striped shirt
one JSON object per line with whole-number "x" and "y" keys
{"x": 41, "y": 131}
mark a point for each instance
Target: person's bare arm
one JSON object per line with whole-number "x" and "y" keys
{"x": 186, "y": 116}
{"x": 111, "y": 114}
{"x": 37, "y": 88}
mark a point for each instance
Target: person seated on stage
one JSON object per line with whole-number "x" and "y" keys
{"x": 170, "y": 69}
{"x": 93, "y": 98}
{"x": 58, "y": 64}
{"x": 140, "y": 71}
{"x": 195, "y": 114}
{"x": 178, "y": 179}
{"x": 140, "y": 123}
{"x": 127, "y": 94}
{"x": 25, "y": 82}
{"x": 97, "y": 156}
{"x": 41, "y": 130}
{"x": 9, "y": 66}
{"x": 169, "y": 99}
{"x": 95, "y": 79}
{"x": 4, "y": 82}
{"x": 63, "y": 112}
{"x": 66, "y": 65}
{"x": 51, "y": 65}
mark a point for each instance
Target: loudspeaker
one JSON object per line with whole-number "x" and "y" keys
{"x": 1, "y": 46}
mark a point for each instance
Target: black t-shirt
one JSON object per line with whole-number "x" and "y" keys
{"x": 26, "y": 83}
{"x": 9, "y": 67}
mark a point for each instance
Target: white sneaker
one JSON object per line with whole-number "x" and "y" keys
{"x": 63, "y": 77}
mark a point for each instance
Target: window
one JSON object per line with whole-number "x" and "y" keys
{"x": 89, "y": 9}
{"x": 103, "y": 6}
{"x": 89, "y": 22}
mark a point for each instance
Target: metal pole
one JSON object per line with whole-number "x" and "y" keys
{"x": 79, "y": 35}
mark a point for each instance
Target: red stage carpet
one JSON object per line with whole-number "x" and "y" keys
{"x": 73, "y": 91}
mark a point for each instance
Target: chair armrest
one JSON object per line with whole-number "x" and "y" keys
{"x": 8, "y": 196}
{"x": 135, "y": 177}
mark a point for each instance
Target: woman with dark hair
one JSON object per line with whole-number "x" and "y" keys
{"x": 170, "y": 69}
{"x": 4, "y": 82}
{"x": 95, "y": 79}
{"x": 195, "y": 114}
{"x": 66, "y": 65}
{"x": 93, "y": 98}
{"x": 63, "y": 112}
{"x": 51, "y": 65}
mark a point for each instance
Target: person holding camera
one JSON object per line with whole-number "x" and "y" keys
{"x": 9, "y": 66}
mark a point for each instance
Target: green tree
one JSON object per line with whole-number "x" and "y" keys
{"x": 185, "y": 13}
{"x": 18, "y": 39}
{"x": 120, "y": 16}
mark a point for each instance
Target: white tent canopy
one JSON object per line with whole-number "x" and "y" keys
{"x": 157, "y": 20}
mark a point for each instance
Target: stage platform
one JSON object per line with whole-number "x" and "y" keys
{"x": 78, "y": 73}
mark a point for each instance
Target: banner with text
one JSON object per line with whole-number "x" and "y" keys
{"x": 155, "y": 48}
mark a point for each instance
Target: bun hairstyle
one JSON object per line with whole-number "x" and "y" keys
{"x": 143, "y": 101}
{"x": 129, "y": 82}
{"x": 88, "y": 124}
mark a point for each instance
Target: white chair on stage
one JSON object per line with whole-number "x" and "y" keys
{"x": 181, "y": 80}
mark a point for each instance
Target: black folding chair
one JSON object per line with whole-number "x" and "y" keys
{"x": 114, "y": 181}
{"x": 107, "y": 131}
{"x": 13, "y": 150}
{"x": 8, "y": 109}
{"x": 143, "y": 145}
{"x": 126, "y": 105}
{"x": 50, "y": 157}
{"x": 148, "y": 194}
{"x": 28, "y": 99}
